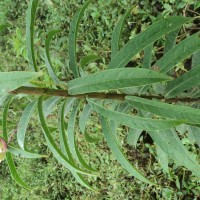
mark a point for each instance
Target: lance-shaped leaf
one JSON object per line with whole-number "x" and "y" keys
{"x": 115, "y": 79}
{"x": 52, "y": 145}
{"x": 119, "y": 154}
{"x": 180, "y": 52}
{"x": 12, "y": 80}
{"x": 117, "y": 33}
{"x": 170, "y": 143}
{"x": 196, "y": 59}
{"x": 24, "y": 154}
{"x": 88, "y": 59}
{"x": 73, "y": 38}
{"x": 133, "y": 136}
{"x": 144, "y": 39}
{"x": 171, "y": 40}
{"x": 182, "y": 83}
{"x": 134, "y": 121}
{"x": 84, "y": 116}
{"x": 71, "y": 138}
{"x": 9, "y": 158}
{"x": 30, "y": 21}
{"x": 50, "y": 104}
{"x": 64, "y": 145}
{"x": 178, "y": 112}
{"x": 50, "y": 68}
{"x": 162, "y": 159}
{"x": 23, "y": 122}
{"x": 3, "y": 27}
{"x": 195, "y": 131}
{"x": 147, "y": 57}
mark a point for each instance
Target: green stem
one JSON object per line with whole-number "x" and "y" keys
{"x": 64, "y": 93}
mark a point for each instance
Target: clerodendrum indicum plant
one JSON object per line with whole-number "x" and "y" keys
{"x": 112, "y": 94}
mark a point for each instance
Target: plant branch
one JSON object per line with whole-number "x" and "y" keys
{"x": 64, "y": 93}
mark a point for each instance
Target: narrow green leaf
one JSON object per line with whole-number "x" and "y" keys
{"x": 73, "y": 38}
{"x": 180, "y": 52}
{"x": 62, "y": 133}
{"x": 50, "y": 68}
{"x": 23, "y": 122}
{"x": 162, "y": 159}
{"x": 9, "y": 158}
{"x": 51, "y": 144}
{"x": 147, "y": 57}
{"x": 196, "y": 59}
{"x": 71, "y": 138}
{"x": 171, "y": 111}
{"x": 50, "y": 104}
{"x": 14, "y": 172}
{"x": 115, "y": 79}
{"x": 119, "y": 154}
{"x": 64, "y": 145}
{"x": 88, "y": 59}
{"x": 30, "y": 21}
{"x": 133, "y": 136}
{"x": 23, "y": 154}
{"x": 12, "y": 80}
{"x": 144, "y": 39}
{"x": 171, "y": 40}
{"x": 3, "y": 99}
{"x": 195, "y": 131}
{"x": 117, "y": 32}
{"x": 85, "y": 114}
{"x": 170, "y": 143}
{"x": 3, "y": 27}
{"x": 3, "y": 149}
{"x": 69, "y": 103}
{"x": 182, "y": 83}
{"x": 134, "y": 121}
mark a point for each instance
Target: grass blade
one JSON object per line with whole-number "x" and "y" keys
{"x": 170, "y": 143}
{"x": 50, "y": 68}
{"x": 30, "y": 21}
{"x": 134, "y": 121}
{"x": 115, "y": 79}
{"x": 23, "y": 123}
{"x": 24, "y": 154}
{"x": 119, "y": 154}
{"x": 12, "y": 80}
{"x": 73, "y": 38}
{"x": 71, "y": 138}
{"x": 171, "y": 111}
{"x": 117, "y": 33}
{"x": 9, "y": 158}
{"x": 180, "y": 52}
{"x": 144, "y": 39}
{"x": 3, "y": 27}
{"x": 183, "y": 83}
{"x": 51, "y": 144}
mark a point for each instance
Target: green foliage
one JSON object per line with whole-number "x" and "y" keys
{"x": 156, "y": 118}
